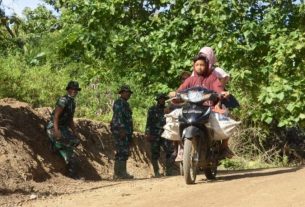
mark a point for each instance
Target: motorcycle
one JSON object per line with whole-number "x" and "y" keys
{"x": 200, "y": 151}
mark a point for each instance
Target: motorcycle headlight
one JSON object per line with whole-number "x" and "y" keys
{"x": 195, "y": 96}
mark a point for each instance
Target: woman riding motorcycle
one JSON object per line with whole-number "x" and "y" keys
{"x": 203, "y": 76}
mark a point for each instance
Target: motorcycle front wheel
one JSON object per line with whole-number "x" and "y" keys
{"x": 181, "y": 168}
{"x": 190, "y": 161}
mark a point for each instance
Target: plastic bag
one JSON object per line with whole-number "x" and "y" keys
{"x": 171, "y": 128}
{"x": 222, "y": 126}
{"x": 179, "y": 157}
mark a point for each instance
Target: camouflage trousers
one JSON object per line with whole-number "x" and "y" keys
{"x": 65, "y": 133}
{"x": 157, "y": 144}
{"x": 65, "y": 145}
{"x": 122, "y": 146}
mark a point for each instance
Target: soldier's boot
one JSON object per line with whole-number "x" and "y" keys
{"x": 155, "y": 168}
{"x": 168, "y": 168}
{"x": 124, "y": 173}
{"x": 117, "y": 171}
{"x": 72, "y": 170}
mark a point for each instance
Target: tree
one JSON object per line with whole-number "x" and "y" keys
{"x": 148, "y": 44}
{"x": 9, "y": 31}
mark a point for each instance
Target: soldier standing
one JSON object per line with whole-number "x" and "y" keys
{"x": 122, "y": 129}
{"x": 153, "y": 131}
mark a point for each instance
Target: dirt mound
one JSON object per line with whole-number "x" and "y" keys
{"x": 26, "y": 158}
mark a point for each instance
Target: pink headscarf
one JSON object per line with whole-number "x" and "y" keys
{"x": 209, "y": 53}
{"x": 220, "y": 73}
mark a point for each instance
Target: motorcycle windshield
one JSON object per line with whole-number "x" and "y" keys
{"x": 195, "y": 94}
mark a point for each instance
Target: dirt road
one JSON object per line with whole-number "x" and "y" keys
{"x": 272, "y": 187}
{"x": 30, "y": 175}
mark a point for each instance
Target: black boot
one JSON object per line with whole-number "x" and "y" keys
{"x": 117, "y": 170}
{"x": 125, "y": 174}
{"x": 72, "y": 170}
{"x": 168, "y": 168}
{"x": 155, "y": 168}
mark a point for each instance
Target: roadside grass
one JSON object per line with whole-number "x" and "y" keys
{"x": 252, "y": 150}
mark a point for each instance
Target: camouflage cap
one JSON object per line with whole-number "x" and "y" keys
{"x": 74, "y": 85}
{"x": 161, "y": 96}
{"x": 125, "y": 88}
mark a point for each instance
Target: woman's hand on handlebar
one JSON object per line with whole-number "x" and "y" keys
{"x": 172, "y": 94}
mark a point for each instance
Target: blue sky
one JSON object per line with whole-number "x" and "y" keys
{"x": 17, "y": 6}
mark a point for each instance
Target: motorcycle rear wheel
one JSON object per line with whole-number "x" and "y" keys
{"x": 189, "y": 163}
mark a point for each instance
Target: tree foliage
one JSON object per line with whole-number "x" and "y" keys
{"x": 147, "y": 43}
{"x": 9, "y": 31}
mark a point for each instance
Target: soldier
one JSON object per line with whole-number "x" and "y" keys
{"x": 122, "y": 129}
{"x": 154, "y": 129}
{"x": 62, "y": 139}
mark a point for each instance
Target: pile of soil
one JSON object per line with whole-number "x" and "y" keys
{"x": 27, "y": 164}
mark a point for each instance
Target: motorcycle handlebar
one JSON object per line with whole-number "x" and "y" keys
{"x": 212, "y": 97}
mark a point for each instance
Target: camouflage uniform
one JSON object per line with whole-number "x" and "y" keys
{"x": 122, "y": 120}
{"x": 68, "y": 104}
{"x": 65, "y": 144}
{"x": 122, "y": 129}
{"x": 154, "y": 128}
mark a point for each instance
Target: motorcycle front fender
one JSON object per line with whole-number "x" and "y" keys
{"x": 190, "y": 132}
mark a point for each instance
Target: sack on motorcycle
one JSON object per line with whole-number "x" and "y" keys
{"x": 171, "y": 128}
{"x": 221, "y": 125}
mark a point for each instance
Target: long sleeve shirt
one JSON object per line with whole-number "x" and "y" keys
{"x": 122, "y": 116}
